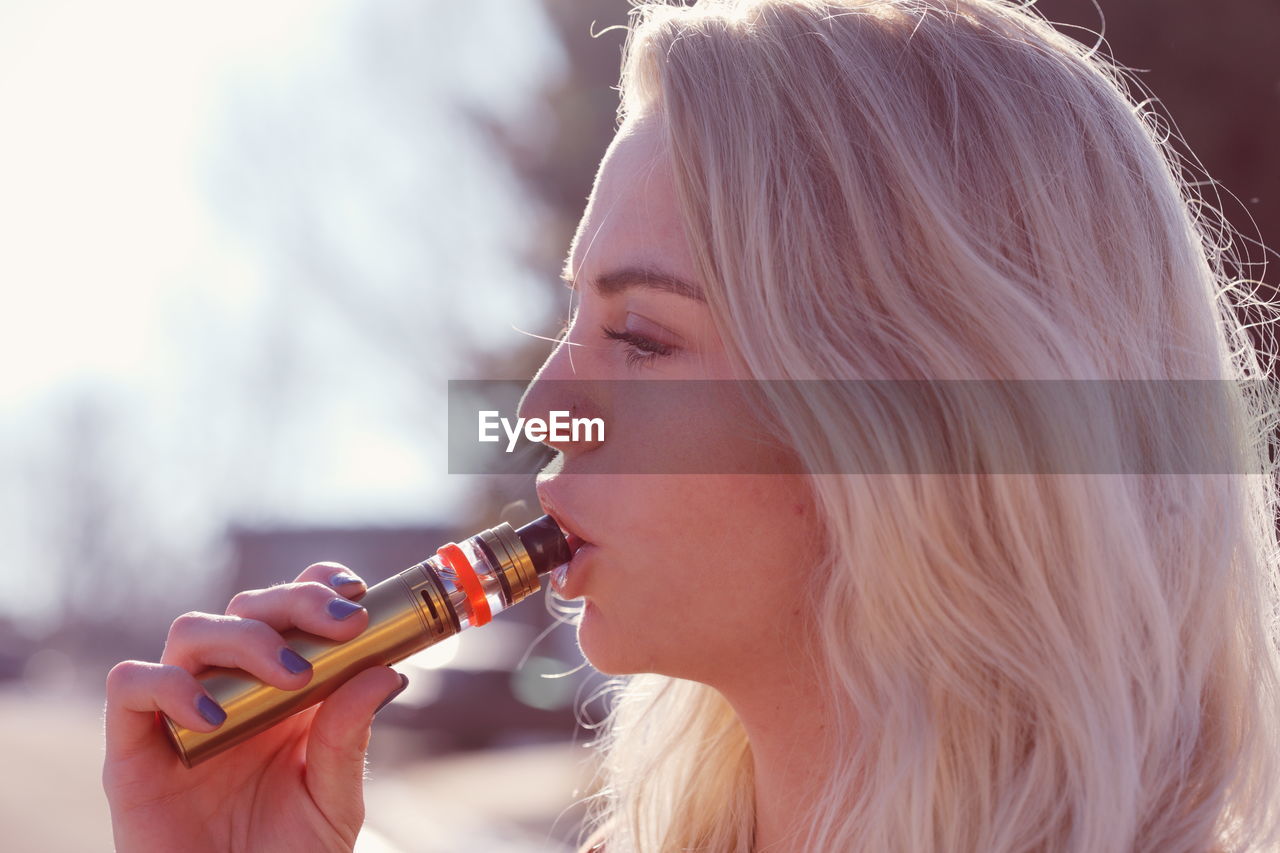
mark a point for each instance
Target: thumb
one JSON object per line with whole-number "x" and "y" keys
{"x": 338, "y": 739}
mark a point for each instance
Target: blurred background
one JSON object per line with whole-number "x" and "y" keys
{"x": 242, "y": 249}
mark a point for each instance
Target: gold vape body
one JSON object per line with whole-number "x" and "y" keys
{"x": 462, "y": 586}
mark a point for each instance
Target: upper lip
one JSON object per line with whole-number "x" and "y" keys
{"x": 563, "y": 521}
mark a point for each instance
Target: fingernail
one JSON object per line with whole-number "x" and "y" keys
{"x": 340, "y": 608}
{"x": 293, "y": 661}
{"x": 342, "y": 578}
{"x": 210, "y": 710}
{"x": 404, "y": 682}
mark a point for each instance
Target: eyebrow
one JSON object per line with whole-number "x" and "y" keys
{"x": 612, "y": 283}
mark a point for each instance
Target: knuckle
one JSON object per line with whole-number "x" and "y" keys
{"x": 258, "y": 633}
{"x": 186, "y": 622}
{"x": 172, "y": 676}
{"x": 242, "y": 600}
{"x": 315, "y": 591}
{"x": 327, "y": 566}
{"x": 121, "y": 674}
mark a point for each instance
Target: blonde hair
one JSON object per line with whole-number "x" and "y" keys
{"x": 952, "y": 189}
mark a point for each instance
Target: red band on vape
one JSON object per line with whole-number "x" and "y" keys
{"x": 455, "y": 559}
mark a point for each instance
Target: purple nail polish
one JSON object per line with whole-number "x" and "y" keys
{"x": 340, "y": 608}
{"x": 293, "y": 661}
{"x": 210, "y": 710}
{"x": 342, "y": 578}
{"x": 404, "y": 682}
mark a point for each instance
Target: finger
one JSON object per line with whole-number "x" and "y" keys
{"x": 334, "y": 575}
{"x": 311, "y": 606}
{"x": 200, "y": 640}
{"x": 338, "y": 740}
{"x": 137, "y": 689}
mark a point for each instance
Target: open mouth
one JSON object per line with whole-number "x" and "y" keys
{"x": 575, "y": 542}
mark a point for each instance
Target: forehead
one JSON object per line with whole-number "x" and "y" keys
{"x": 632, "y": 217}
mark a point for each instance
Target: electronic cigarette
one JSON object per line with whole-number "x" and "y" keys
{"x": 461, "y": 586}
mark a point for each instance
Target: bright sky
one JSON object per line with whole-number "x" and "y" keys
{"x": 132, "y": 270}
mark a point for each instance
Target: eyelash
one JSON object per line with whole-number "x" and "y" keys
{"x": 640, "y": 350}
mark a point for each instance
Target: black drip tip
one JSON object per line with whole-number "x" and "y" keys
{"x": 546, "y": 544}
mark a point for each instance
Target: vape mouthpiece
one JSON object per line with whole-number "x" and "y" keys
{"x": 545, "y": 543}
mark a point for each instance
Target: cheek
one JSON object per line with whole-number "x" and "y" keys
{"x": 763, "y": 546}
{"x": 744, "y": 526}
{"x": 708, "y": 577}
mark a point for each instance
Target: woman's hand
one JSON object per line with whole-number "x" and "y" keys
{"x": 296, "y": 786}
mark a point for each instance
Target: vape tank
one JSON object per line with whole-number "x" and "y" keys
{"x": 460, "y": 587}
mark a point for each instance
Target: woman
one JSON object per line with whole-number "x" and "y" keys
{"x": 839, "y": 646}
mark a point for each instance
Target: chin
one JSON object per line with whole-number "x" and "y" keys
{"x": 607, "y": 654}
{"x": 614, "y": 651}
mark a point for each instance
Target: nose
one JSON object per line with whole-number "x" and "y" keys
{"x": 564, "y": 391}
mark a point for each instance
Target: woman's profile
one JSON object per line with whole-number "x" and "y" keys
{"x": 854, "y": 650}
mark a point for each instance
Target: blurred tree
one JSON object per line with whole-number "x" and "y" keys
{"x": 558, "y": 167}
{"x": 116, "y": 572}
{"x": 92, "y": 513}
{"x": 396, "y": 242}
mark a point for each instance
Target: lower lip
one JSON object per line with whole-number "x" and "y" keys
{"x": 568, "y": 579}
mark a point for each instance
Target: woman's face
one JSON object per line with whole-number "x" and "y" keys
{"x": 696, "y": 575}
